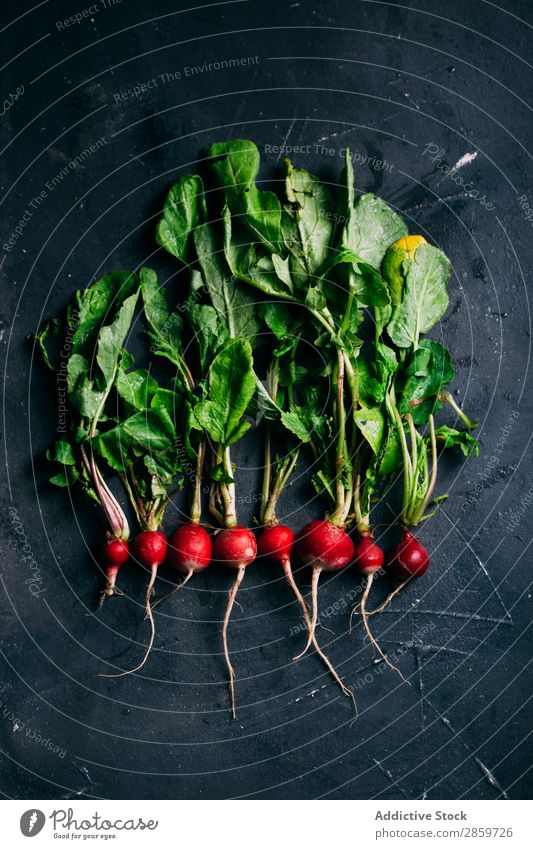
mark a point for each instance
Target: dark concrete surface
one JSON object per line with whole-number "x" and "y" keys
{"x": 397, "y": 83}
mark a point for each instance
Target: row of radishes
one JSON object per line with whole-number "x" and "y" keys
{"x": 320, "y": 545}
{"x": 352, "y": 381}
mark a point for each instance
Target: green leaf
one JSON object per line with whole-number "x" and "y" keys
{"x": 390, "y": 457}
{"x": 77, "y": 367}
{"x": 453, "y": 438}
{"x": 153, "y": 430}
{"x": 370, "y": 391}
{"x": 51, "y": 328}
{"x": 183, "y": 210}
{"x": 372, "y": 227}
{"x": 235, "y": 165}
{"x": 371, "y": 423}
{"x": 369, "y": 287}
{"x": 234, "y": 304}
{"x": 149, "y": 432}
{"x": 96, "y": 306}
{"x": 231, "y": 387}
{"x": 61, "y": 452}
{"x": 324, "y": 484}
{"x": 154, "y": 301}
{"x": 308, "y": 222}
{"x": 278, "y": 318}
{"x": 425, "y": 299}
{"x": 111, "y": 339}
{"x": 427, "y": 372}
{"x": 210, "y": 334}
{"x": 220, "y": 474}
{"x": 295, "y": 421}
{"x": 166, "y": 329}
{"x": 86, "y": 398}
{"x": 136, "y": 388}
{"x": 166, "y": 399}
{"x": 281, "y": 267}
{"x": 65, "y": 478}
{"x": 247, "y": 265}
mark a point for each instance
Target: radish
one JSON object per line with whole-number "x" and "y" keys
{"x": 116, "y": 553}
{"x": 150, "y": 549}
{"x": 276, "y": 543}
{"x": 190, "y": 550}
{"x": 369, "y": 559}
{"x": 325, "y": 547}
{"x": 236, "y": 548}
{"x": 116, "y": 549}
{"x": 408, "y": 559}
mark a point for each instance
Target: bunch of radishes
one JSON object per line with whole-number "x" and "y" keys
{"x": 274, "y": 271}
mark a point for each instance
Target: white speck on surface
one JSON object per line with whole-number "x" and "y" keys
{"x": 465, "y": 159}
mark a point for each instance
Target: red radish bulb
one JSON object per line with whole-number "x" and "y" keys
{"x": 324, "y": 546}
{"x": 368, "y": 557}
{"x": 276, "y": 543}
{"x": 190, "y": 550}
{"x": 236, "y": 548}
{"x": 150, "y": 549}
{"x": 408, "y": 559}
{"x": 116, "y": 553}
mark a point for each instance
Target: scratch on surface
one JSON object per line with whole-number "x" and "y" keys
{"x": 284, "y": 142}
{"x": 425, "y": 647}
{"x": 465, "y": 159}
{"x": 491, "y": 778}
{"x": 310, "y": 695}
{"x": 391, "y": 778}
{"x": 453, "y": 614}
{"x": 85, "y": 772}
{"x": 484, "y": 569}
{"x": 421, "y": 692}
{"x": 427, "y": 204}
{"x": 77, "y": 793}
{"x": 488, "y": 774}
{"x": 335, "y": 135}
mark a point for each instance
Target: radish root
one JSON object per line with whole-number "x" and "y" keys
{"x": 109, "y": 590}
{"x": 175, "y": 589}
{"x": 369, "y": 632}
{"x": 311, "y": 627}
{"x": 387, "y": 600}
{"x": 149, "y": 591}
{"x": 229, "y": 606}
{"x": 305, "y": 610}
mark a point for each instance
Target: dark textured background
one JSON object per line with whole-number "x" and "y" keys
{"x": 388, "y": 79}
